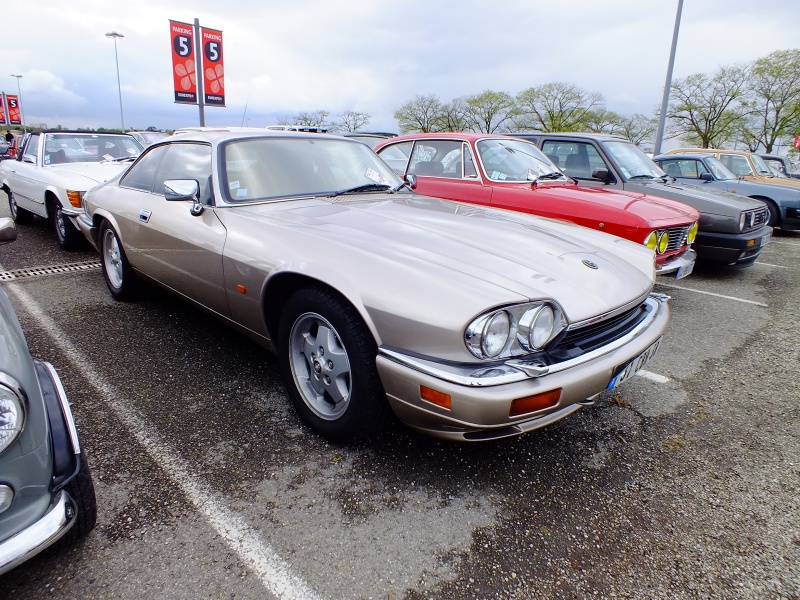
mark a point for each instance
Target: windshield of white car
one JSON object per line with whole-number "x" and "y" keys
{"x": 88, "y": 147}
{"x": 719, "y": 170}
{"x": 632, "y": 162}
{"x": 515, "y": 160}
{"x": 270, "y": 168}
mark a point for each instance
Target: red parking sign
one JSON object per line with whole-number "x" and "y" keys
{"x": 797, "y": 141}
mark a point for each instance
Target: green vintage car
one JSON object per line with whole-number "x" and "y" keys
{"x": 46, "y": 490}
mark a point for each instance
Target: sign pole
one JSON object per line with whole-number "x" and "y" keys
{"x": 199, "y": 72}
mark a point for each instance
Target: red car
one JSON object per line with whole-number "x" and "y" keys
{"x": 506, "y": 172}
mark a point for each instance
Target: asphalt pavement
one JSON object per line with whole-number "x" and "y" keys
{"x": 682, "y": 483}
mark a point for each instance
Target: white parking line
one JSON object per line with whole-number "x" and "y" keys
{"x": 272, "y": 570}
{"x": 678, "y": 287}
{"x": 774, "y": 241}
{"x": 763, "y": 264}
{"x": 652, "y": 376}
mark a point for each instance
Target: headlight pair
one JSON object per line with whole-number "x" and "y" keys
{"x": 514, "y": 330}
{"x": 658, "y": 241}
{"x": 12, "y": 411}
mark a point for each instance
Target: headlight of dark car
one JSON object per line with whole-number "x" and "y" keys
{"x": 514, "y": 330}
{"x": 12, "y": 411}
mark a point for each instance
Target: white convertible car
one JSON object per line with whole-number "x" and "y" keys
{"x": 54, "y": 169}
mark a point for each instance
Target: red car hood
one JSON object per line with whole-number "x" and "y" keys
{"x": 656, "y": 211}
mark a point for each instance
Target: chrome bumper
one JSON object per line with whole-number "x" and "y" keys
{"x": 684, "y": 260}
{"x": 39, "y": 536}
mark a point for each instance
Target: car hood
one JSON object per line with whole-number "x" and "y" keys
{"x": 716, "y": 202}
{"x": 653, "y": 210}
{"x": 485, "y": 257}
{"x": 91, "y": 173}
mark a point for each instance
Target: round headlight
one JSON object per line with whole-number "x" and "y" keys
{"x": 495, "y": 334}
{"x": 542, "y": 329}
{"x": 12, "y": 416}
{"x": 692, "y": 232}
{"x": 742, "y": 221}
{"x": 663, "y": 242}
{"x": 651, "y": 241}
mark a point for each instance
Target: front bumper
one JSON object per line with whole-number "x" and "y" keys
{"x": 732, "y": 248}
{"x": 40, "y": 535}
{"x": 681, "y": 264}
{"x": 481, "y": 399}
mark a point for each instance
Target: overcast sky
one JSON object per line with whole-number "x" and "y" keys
{"x": 283, "y": 57}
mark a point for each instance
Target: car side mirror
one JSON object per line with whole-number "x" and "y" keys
{"x": 8, "y": 232}
{"x": 706, "y": 177}
{"x": 601, "y": 174}
{"x": 178, "y": 190}
{"x": 411, "y": 180}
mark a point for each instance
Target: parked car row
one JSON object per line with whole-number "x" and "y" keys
{"x": 450, "y": 309}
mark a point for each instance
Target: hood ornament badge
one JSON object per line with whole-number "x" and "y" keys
{"x": 590, "y": 264}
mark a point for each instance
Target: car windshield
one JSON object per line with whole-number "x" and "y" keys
{"x": 267, "y": 168}
{"x": 760, "y": 165}
{"x": 632, "y": 162}
{"x": 719, "y": 170}
{"x": 88, "y": 147}
{"x": 151, "y": 137}
{"x": 515, "y": 160}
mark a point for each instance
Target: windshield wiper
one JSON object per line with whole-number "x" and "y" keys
{"x": 123, "y": 158}
{"x": 367, "y": 187}
{"x": 643, "y": 177}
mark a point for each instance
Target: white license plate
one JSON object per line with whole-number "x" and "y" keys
{"x": 630, "y": 368}
{"x": 766, "y": 239}
{"x": 685, "y": 271}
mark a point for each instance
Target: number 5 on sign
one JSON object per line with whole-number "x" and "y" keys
{"x": 213, "y": 69}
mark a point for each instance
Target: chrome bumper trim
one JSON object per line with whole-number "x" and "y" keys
{"x": 39, "y": 536}
{"x": 683, "y": 260}
{"x": 514, "y": 370}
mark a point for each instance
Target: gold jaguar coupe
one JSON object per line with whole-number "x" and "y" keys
{"x": 465, "y": 322}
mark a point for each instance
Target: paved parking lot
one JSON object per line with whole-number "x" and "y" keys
{"x": 683, "y": 483}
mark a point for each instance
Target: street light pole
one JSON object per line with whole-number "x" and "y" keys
{"x": 21, "y": 113}
{"x": 662, "y": 117}
{"x": 115, "y": 35}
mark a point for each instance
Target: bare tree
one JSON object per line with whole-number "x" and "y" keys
{"x": 602, "y": 120}
{"x": 706, "y": 109}
{"x": 637, "y": 128}
{"x": 556, "y": 107}
{"x": 317, "y": 118}
{"x": 488, "y": 111}
{"x": 353, "y": 121}
{"x": 422, "y": 114}
{"x": 773, "y": 101}
{"x": 454, "y": 116}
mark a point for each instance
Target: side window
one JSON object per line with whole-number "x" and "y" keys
{"x": 396, "y": 156}
{"x": 31, "y": 150}
{"x": 186, "y": 161}
{"x": 737, "y": 164}
{"x": 699, "y": 168}
{"x": 575, "y": 159}
{"x": 142, "y": 175}
{"x": 469, "y": 163}
{"x": 436, "y": 158}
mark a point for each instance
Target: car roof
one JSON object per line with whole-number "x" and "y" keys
{"x": 82, "y": 132}
{"x": 709, "y": 151}
{"x": 572, "y": 134}
{"x": 217, "y": 135}
{"x": 452, "y": 135}
{"x": 685, "y": 155}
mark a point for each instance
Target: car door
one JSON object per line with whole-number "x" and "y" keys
{"x": 24, "y": 177}
{"x": 163, "y": 239}
{"x": 447, "y": 169}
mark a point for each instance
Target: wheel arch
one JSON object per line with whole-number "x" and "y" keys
{"x": 280, "y": 286}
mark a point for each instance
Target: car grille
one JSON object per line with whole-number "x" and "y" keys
{"x": 677, "y": 237}
{"x": 590, "y": 337}
{"x": 755, "y": 219}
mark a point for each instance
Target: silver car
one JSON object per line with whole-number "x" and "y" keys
{"x": 466, "y": 323}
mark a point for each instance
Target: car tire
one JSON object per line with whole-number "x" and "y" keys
{"x": 69, "y": 237}
{"x": 117, "y": 271}
{"x": 19, "y": 215}
{"x": 327, "y": 359}
{"x": 81, "y": 489}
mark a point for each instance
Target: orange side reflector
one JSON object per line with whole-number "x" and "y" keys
{"x": 751, "y": 242}
{"x": 241, "y": 288}
{"x": 530, "y": 404}
{"x": 438, "y": 398}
